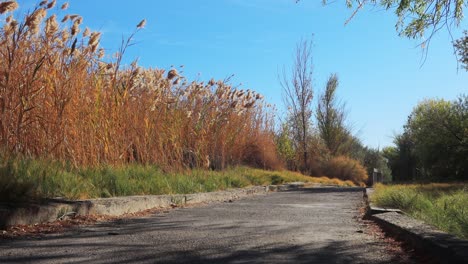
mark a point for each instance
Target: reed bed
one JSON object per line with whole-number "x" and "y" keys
{"x": 76, "y": 122}
{"x": 63, "y": 98}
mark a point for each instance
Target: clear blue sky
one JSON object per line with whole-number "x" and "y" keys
{"x": 381, "y": 75}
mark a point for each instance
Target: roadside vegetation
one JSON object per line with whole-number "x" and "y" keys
{"x": 23, "y": 179}
{"x": 65, "y": 99}
{"x": 77, "y": 122}
{"x": 319, "y": 140}
{"x": 444, "y": 205}
{"x": 434, "y": 144}
{"x": 429, "y": 160}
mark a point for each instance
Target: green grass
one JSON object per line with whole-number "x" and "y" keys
{"x": 442, "y": 205}
{"x": 30, "y": 179}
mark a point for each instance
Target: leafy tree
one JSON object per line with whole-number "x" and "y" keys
{"x": 434, "y": 145}
{"x": 285, "y": 147}
{"x": 298, "y": 97}
{"x": 331, "y": 120}
{"x": 461, "y": 46}
{"x": 416, "y": 17}
{"x": 401, "y": 159}
{"x": 439, "y": 130}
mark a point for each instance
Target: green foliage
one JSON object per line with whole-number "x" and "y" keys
{"x": 439, "y": 131}
{"x": 442, "y": 205}
{"x": 285, "y": 146}
{"x": 276, "y": 179}
{"x": 416, "y": 17}
{"x": 331, "y": 138}
{"x": 331, "y": 120}
{"x": 461, "y": 46}
{"x": 434, "y": 144}
{"x": 401, "y": 159}
{"x": 374, "y": 159}
{"x": 23, "y": 179}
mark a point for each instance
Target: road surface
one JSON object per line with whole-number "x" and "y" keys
{"x": 317, "y": 225}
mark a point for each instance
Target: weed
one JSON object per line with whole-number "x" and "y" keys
{"x": 442, "y": 205}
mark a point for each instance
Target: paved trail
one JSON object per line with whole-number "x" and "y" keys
{"x": 308, "y": 226}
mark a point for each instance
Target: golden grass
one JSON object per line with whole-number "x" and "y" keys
{"x": 62, "y": 98}
{"x": 346, "y": 169}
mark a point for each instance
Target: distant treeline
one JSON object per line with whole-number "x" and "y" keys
{"x": 434, "y": 143}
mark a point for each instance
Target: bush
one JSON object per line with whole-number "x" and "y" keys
{"x": 345, "y": 168}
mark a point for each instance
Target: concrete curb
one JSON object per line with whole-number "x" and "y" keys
{"x": 55, "y": 209}
{"x": 444, "y": 247}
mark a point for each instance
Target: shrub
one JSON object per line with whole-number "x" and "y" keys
{"x": 345, "y": 168}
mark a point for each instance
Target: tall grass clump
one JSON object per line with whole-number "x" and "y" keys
{"x": 442, "y": 205}
{"x": 62, "y": 98}
{"x": 345, "y": 168}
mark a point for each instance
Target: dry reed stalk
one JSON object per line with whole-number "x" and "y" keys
{"x": 87, "y": 111}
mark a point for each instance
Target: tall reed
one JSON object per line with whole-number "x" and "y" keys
{"x": 62, "y": 97}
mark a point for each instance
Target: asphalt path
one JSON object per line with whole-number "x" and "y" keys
{"x": 317, "y": 225}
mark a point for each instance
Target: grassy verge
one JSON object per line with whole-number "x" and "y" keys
{"x": 442, "y": 205}
{"x": 22, "y": 178}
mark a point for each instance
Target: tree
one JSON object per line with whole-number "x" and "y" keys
{"x": 461, "y": 47}
{"x": 401, "y": 159}
{"x": 416, "y": 17}
{"x": 298, "y": 97}
{"x": 374, "y": 159}
{"x": 285, "y": 148}
{"x": 331, "y": 120}
{"x": 434, "y": 144}
{"x": 439, "y": 130}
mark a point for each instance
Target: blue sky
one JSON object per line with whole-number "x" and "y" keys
{"x": 381, "y": 75}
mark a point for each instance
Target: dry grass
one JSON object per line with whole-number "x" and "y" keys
{"x": 62, "y": 98}
{"x": 346, "y": 169}
{"x": 78, "y": 123}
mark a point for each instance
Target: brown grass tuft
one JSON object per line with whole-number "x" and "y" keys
{"x": 345, "y": 168}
